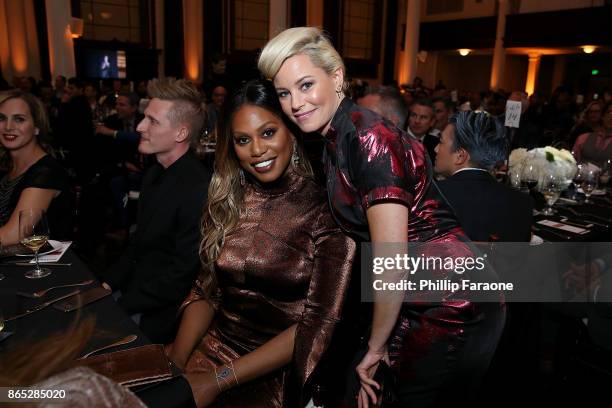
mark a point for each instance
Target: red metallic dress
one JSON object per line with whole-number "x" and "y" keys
{"x": 435, "y": 346}
{"x": 286, "y": 262}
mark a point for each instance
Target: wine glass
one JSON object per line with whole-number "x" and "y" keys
{"x": 590, "y": 177}
{"x": 514, "y": 178}
{"x": 529, "y": 177}
{"x": 606, "y": 172}
{"x": 33, "y": 234}
{"x": 1, "y": 274}
{"x": 551, "y": 190}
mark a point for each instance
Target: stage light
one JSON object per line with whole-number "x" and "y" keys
{"x": 464, "y": 51}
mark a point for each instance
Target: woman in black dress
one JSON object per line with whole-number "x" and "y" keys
{"x": 32, "y": 177}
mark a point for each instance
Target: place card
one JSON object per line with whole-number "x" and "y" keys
{"x": 564, "y": 227}
{"x": 513, "y": 114}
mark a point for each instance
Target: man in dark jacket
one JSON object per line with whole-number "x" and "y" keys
{"x": 470, "y": 146}
{"x": 162, "y": 262}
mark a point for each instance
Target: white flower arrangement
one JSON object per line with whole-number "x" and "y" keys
{"x": 545, "y": 160}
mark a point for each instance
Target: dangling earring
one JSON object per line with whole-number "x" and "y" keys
{"x": 295, "y": 157}
{"x": 339, "y": 93}
{"x": 241, "y": 177}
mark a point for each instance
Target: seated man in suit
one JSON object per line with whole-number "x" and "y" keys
{"x": 421, "y": 120}
{"x": 159, "y": 267}
{"x": 124, "y": 165}
{"x": 472, "y": 144}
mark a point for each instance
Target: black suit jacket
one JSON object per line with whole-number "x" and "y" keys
{"x": 162, "y": 262}
{"x": 486, "y": 209}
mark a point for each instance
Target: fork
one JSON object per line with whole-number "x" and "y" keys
{"x": 43, "y": 292}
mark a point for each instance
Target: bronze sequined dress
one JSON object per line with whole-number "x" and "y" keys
{"x": 286, "y": 262}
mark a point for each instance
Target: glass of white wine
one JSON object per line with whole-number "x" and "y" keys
{"x": 33, "y": 234}
{"x": 590, "y": 178}
{"x": 551, "y": 190}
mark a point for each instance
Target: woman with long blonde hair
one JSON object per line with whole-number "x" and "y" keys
{"x": 275, "y": 266}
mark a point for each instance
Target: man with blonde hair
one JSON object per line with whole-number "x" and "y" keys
{"x": 162, "y": 262}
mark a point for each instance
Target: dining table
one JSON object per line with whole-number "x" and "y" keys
{"x": 111, "y": 322}
{"x": 575, "y": 219}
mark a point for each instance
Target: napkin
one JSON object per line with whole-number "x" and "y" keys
{"x": 55, "y": 255}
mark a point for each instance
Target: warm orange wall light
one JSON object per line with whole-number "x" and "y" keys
{"x": 532, "y": 73}
{"x": 588, "y": 49}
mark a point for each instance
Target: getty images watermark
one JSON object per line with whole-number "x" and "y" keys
{"x": 515, "y": 272}
{"x": 406, "y": 265}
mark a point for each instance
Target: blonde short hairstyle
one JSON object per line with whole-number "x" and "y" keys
{"x": 309, "y": 41}
{"x": 188, "y": 105}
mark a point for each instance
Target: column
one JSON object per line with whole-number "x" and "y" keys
{"x": 408, "y": 61}
{"x": 5, "y": 48}
{"x": 499, "y": 54}
{"x": 18, "y": 40}
{"x": 160, "y": 37}
{"x": 193, "y": 32}
{"x": 61, "y": 46}
{"x": 32, "y": 39}
{"x": 277, "y": 18}
{"x": 532, "y": 73}
{"x": 314, "y": 13}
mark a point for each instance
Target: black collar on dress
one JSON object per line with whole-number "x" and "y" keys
{"x": 339, "y": 117}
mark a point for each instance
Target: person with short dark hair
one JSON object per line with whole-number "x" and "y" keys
{"x": 124, "y": 164}
{"x": 421, "y": 120}
{"x": 443, "y": 109}
{"x": 122, "y": 125}
{"x": 74, "y": 131}
{"x": 387, "y": 102}
{"x": 471, "y": 145}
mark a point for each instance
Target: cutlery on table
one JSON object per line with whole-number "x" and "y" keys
{"x": 43, "y": 305}
{"x": 584, "y": 214}
{"x": 42, "y": 263}
{"x": 547, "y": 230}
{"x": 43, "y": 292}
{"x": 125, "y": 340}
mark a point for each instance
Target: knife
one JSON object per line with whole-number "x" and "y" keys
{"x": 42, "y": 264}
{"x": 43, "y": 305}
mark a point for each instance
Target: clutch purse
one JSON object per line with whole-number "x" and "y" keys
{"x": 388, "y": 383}
{"x": 133, "y": 367}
